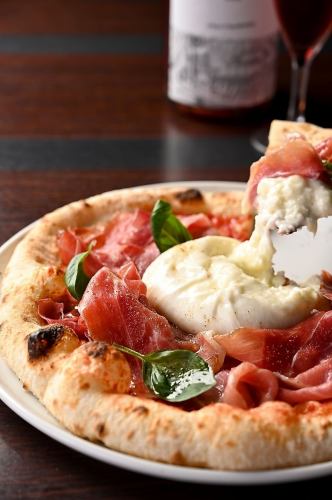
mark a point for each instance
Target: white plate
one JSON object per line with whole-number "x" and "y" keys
{"x": 29, "y": 408}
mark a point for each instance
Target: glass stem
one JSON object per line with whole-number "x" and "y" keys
{"x": 299, "y": 87}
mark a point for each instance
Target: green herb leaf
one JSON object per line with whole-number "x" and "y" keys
{"x": 328, "y": 165}
{"x": 174, "y": 375}
{"x": 75, "y": 278}
{"x": 167, "y": 229}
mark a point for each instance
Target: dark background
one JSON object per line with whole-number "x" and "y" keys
{"x": 83, "y": 110}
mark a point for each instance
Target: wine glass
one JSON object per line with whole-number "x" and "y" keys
{"x": 305, "y": 26}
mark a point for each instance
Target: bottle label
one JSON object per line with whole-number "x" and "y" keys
{"x": 222, "y": 53}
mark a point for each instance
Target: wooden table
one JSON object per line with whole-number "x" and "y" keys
{"x": 83, "y": 110}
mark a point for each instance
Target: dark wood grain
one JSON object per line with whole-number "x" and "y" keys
{"x": 89, "y": 95}
{"x": 119, "y": 96}
{"x": 82, "y": 95}
{"x": 81, "y": 16}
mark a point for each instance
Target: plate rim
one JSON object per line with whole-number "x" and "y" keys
{"x": 11, "y": 391}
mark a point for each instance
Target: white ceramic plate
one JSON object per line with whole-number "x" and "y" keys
{"x": 29, "y": 408}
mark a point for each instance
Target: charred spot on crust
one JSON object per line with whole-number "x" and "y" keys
{"x": 178, "y": 458}
{"x": 39, "y": 259}
{"x": 98, "y": 350}
{"x": 141, "y": 410}
{"x": 189, "y": 195}
{"x": 100, "y": 430}
{"x": 41, "y": 341}
{"x": 130, "y": 435}
{"x": 4, "y": 298}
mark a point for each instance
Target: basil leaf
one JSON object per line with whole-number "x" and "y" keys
{"x": 328, "y": 165}
{"x": 174, "y": 375}
{"x": 75, "y": 278}
{"x": 177, "y": 375}
{"x": 167, "y": 229}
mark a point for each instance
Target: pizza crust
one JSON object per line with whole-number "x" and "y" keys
{"x": 85, "y": 385}
{"x": 281, "y": 130}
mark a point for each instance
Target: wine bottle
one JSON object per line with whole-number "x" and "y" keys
{"x": 222, "y": 55}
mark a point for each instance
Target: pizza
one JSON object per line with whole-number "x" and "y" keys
{"x": 151, "y": 321}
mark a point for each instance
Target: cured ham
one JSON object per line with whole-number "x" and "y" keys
{"x": 206, "y": 225}
{"x": 69, "y": 244}
{"x": 324, "y": 149}
{"x": 210, "y": 350}
{"x": 114, "y": 312}
{"x": 128, "y": 272}
{"x": 248, "y": 386}
{"x": 74, "y": 241}
{"x": 52, "y": 311}
{"x": 293, "y": 365}
{"x": 290, "y": 351}
{"x": 197, "y": 224}
{"x": 128, "y": 238}
{"x": 296, "y": 157}
{"x": 239, "y": 227}
{"x": 314, "y": 384}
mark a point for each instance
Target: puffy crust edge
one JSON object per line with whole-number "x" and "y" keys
{"x": 71, "y": 381}
{"x": 281, "y": 129}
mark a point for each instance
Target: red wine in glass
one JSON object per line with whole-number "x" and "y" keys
{"x": 305, "y": 25}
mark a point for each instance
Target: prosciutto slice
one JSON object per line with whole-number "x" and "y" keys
{"x": 296, "y": 157}
{"x": 115, "y": 312}
{"x": 210, "y": 350}
{"x": 248, "y": 386}
{"x": 128, "y": 272}
{"x": 314, "y": 384}
{"x": 324, "y": 149}
{"x": 127, "y": 238}
{"x": 289, "y": 351}
{"x": 204, "y": 225}
{"x": 293, "y": 365}
{"x": 244, "y": 386}
{"x": 52, "y": 311}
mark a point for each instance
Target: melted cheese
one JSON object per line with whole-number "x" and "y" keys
{"x": 198, "y": 287}
{"x": 287, "y": 203}
{"x": 254, "y": 256}
{"x": 217, "y": 283}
